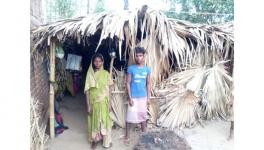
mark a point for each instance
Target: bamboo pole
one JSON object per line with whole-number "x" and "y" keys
{"x": 52, "y": 80}
{"x": 111, "y": 66}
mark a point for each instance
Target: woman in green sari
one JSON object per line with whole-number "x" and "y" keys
{"x": 96, "y": 89}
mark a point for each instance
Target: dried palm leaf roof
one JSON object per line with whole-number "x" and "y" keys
{"x": 181, "y": 42}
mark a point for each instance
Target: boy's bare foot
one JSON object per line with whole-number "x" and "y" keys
{"x": 126, "y": 141}
{"x": 231, "y": 133}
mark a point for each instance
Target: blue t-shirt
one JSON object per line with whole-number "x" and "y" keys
{"x": 138, "y": 85}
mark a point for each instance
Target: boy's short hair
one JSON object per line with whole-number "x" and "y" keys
{"x": 140, "y": 50}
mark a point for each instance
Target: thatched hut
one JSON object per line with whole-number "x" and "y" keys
{"x": 171, "y": 45}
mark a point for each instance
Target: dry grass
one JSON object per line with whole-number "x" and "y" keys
{"x": 38, "y": 138}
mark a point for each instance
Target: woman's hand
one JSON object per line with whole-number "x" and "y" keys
{"x": 89, "y": 110}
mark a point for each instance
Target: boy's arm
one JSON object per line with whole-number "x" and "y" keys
{"x": 128, "y": 88}
{"x": 148, "y": 87}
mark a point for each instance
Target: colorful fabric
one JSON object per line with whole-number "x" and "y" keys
{"x": 76, "y": 82}
{"x": 99, "y": 122}
{"x": 138, "y": 80}
{"x": 59, "y": 124}
{"x": 138, "y": 112}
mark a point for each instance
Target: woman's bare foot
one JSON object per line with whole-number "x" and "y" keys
{"x": 93, "y": 146}
{"x": 110, "y": 145}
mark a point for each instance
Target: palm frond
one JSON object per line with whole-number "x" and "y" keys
{"x": 216, "y": 91}
{"x": 181, "y": 111}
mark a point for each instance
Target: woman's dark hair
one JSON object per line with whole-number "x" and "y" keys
{"x": 140, "y": 50}
{"x": 97, "y": 55}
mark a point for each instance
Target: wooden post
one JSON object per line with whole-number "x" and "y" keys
{"x": 111, "y": 88}
{"x": 52, "y": 94}
{"x": 111, "y": 66}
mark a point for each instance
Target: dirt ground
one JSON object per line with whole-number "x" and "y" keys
{"x": 213, "y": 136}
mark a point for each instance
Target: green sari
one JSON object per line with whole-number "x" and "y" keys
{"x": 99, "y": 122}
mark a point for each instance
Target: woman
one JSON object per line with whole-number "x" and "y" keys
{"x": 98, "y": 104}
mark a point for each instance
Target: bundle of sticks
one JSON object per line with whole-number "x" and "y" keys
{"x": 119, "y": 98}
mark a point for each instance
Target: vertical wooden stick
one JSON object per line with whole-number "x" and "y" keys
{"x": 111, "y": 87}
{"x": 111, "y": 66}
{"x": 52, "y": 80}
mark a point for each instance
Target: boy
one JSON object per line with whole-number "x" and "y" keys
{"x": 138, "y": 86}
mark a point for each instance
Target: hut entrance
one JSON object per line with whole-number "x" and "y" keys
{"x": 70, "y": 101}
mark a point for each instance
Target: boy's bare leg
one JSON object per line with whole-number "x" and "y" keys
{"x": 127, "y": 133}
{"x": 144, "y": 126}
{"x": 127, "y": 130}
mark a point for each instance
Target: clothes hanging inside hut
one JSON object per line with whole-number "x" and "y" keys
{"x": 59, "y": 124}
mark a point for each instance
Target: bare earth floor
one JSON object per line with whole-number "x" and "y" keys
{"x": 213, "y": 136}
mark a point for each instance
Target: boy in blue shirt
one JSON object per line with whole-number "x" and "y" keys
{"x": 138, "y": 87}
